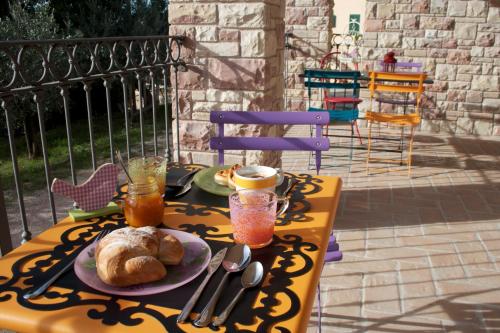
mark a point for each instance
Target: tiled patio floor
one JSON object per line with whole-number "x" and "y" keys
{"x": 421, "y": 254}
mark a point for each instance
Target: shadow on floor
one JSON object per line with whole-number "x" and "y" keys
{"x": 389, "y": 207}
{"x": 463, "y": 317}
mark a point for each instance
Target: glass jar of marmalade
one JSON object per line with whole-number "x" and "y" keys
{"x": 144, "y": 204}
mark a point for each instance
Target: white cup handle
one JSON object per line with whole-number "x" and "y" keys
{"x": 279, "y": 176}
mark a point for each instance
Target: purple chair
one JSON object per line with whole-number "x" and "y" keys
{"x": 316, "y": 144}
{"x": 333, "y": 253}
{"x": 401, "y": 66}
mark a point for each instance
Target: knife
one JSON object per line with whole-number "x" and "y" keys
{"x": 212, "y": 268}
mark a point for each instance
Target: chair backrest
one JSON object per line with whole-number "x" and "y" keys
{"x": 398, "y": 83}
{"x": 343, "y": 84}
{"x": 329, "y": 58}
{"x": 401, "y": 67}
{"x": 221, "y": 142}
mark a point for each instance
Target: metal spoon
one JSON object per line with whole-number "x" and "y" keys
{"x": 251, "y": 277}
{"x": 237, "y": 259}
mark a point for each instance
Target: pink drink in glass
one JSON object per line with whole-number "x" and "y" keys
{"x": 253, "y": 214}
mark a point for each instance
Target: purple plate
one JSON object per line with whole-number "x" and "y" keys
{"x": 197, "y": 255}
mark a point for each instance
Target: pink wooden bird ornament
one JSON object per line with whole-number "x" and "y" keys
{"x": 95, "y": 193}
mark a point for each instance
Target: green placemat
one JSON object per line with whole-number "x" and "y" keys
{"x": 80, "y": 215}
{"x": 205, "y": 180}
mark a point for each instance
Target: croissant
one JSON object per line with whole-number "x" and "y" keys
{"x": 130, "y": 256}
{"x": 225, "y": 177}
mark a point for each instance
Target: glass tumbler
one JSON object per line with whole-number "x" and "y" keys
{"x": 253, "y": 214}
{"x": 141, "y": 168}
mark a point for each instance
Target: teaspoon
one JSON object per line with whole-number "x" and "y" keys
{"x": 237, "y": 259}
{"x": 251, "y": 277}
{"x": 120, "y": 160}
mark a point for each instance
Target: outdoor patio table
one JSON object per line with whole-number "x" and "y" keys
{"x": 292, "y": 264}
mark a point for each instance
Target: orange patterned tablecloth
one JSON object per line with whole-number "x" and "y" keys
{"x": 283, "y": 302}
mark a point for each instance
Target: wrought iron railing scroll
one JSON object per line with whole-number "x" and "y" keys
{"x": 38, "y": 68}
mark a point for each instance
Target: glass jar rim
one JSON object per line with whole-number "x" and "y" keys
{"x": 143, "y": 187}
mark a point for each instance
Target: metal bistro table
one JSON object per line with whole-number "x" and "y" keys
{"x": 292, "y": 266}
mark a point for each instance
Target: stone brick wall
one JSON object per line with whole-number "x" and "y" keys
{"x": 309, "y": 21}
{"x": 235, "y": 54}
{"x": 459, "y": 43}
{"x": 234, "y": 51}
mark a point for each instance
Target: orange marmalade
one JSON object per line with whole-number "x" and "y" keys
{"x": 144, "y": 204}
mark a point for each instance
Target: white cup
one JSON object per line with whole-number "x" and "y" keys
{"x": 258, "y": 177}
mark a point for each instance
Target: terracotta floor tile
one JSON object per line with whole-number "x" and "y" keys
{"x": 444, "y": 260}
{"x": 401, "y": 254}
{"x": 411, "y": 273}
{"x": 382, "y": 299}
{"x": 418, "y": 289}
{"x": 469, "y": 293}
{"x": 408, "y": 231}
{"x": 426, "y": 243}
{"x": 384, "y": 322}
{"x": 341, "y": 280}
{"x": 442, "y": 308}
{"x": 454, "y": 273}
{"x": 365, "y": 265}
{"x": 380, "y": 233}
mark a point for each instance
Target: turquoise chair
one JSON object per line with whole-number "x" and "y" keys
{"x": 340, "y": 90}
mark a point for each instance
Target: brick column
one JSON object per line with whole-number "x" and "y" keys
{"x": 234, "y": 52}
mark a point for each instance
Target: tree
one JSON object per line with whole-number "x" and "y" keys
{"x": 97, "y": 18}
{"x": 52, "y": 19}
{"x": 24, "y": 23}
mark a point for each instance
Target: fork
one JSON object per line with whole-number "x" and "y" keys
{"x": 185, "y": 188}
{"x": 40, "y": 290}
{"x": 181, "y": 182}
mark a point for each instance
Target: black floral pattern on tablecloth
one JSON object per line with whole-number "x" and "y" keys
{"x": 28, "y": 271}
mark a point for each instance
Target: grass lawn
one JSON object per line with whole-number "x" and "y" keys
{"x": 32, "y": 171}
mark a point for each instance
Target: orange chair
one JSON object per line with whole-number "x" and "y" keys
{"x": 395, "y": 83}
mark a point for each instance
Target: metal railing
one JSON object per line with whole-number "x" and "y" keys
{"x": 38, "y": 68}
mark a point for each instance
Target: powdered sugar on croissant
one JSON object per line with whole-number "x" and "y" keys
{"x": 130, "y": 256}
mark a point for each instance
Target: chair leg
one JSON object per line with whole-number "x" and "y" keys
{"x": 369, "y": 148}
{"x": 410, "y": 150}
{"x": 401, "y": 145}
{"x": 378, "y": 124}
{"x": 352, "y": 140}
{"x": 318, "y": 161}
{"x": 319, "y": 307}
{"x": 310, "y": 153}
{"x": 357, "y": 131}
